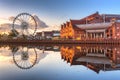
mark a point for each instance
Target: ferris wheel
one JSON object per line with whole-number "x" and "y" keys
{"x": 25, "y": 58}
{"x": 24, "y": 24}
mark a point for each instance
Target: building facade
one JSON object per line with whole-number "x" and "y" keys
{"x": 47, "y": 35}
{"x": 94, "y": 26}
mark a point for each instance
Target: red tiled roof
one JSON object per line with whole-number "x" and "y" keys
{"x": 83, "y": 20}
{"x": 76, "y": 28}
{"x": 92, "y": 15}
{"x": 64, "y": 25}
{"x": 76, "y": 22}
{"x": 67, "y": 23}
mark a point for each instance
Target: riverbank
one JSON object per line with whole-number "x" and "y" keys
{"x": 105, "y": 41}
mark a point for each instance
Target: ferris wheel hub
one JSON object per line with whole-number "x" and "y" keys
{"x": 24, "y": 25}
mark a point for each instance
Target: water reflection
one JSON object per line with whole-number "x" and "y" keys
{"x": 67, "y": 62}
{"x": 95, "y": 58}
{"x": 29, "y": 56}
{"x": 24, "y": 58}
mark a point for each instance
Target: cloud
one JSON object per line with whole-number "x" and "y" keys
{"x": 6, "y": 24}
{"x": 6, "y": 27}
{"x": 11, "y": 18}
{"x": 40, "y": 23}
{"x": 51, "y": 28}
{"x": 4, "y": 20}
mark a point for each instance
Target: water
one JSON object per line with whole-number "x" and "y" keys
{"x": 76, "y": 62}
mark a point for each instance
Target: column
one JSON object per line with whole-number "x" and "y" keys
{"x": 104, "y": 35}
{"x": 97, "y": 35}
{"x": 103, "y": 16}
{"x": 96, "y": 50}
{"x": 104, "y": 52}
{"x": 90, "y": 50}
{"x": 94, "y": 35}
{"x": 86, "y": 35}
{"x": 101, "y": 35}
{"x": 86, "y": 20}
{"x": 91, "y": 35}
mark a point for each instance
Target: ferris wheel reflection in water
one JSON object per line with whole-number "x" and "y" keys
{"x": 25, "y": 58}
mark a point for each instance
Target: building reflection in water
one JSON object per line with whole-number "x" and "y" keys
{"x": 94, "y": 58}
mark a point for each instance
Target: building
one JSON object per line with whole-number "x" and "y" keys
{"x": 47, "y": 35}
{"x": 94, "y": 26}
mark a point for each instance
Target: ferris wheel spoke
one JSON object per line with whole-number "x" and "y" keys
{"x": 31, "y": 27}
{"x": 32, "y": 60}
{"x": 27, "y": 50}
{"x": 23, "y": 17}
{"x": 20, "y": 18}
{"x": 26, "y": 17}
{"x": 16, "y": 25}
{"x": 29, "y": 30}
{"x": 27, "y": 33}
{"x": 21, "y": 32}
{"x": 18, "y": 21}
{"x": 18, "y": 61}
{"x": 21, "y": 62}
{"x": 28, "y": 63}
{"x": 21, "y": 49}
{"x": 24, "y": 49}
{"x": 29, "y": 18}
{"x": 25, "y": 63}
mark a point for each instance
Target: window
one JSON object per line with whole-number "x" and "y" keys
{"x": 110, "y": 34}
{"x": 117, "y": 27}
{"x": 106, "y": 30}
{"x": 111, "y": 31}
{"x": 118, "y": 34}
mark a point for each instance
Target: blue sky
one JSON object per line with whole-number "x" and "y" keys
{"x": 55, "y": 12}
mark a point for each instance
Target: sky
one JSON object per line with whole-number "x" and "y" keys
{"x": 56, "y": 12}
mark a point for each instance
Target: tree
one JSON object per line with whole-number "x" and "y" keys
{"x": 13, "y": 33}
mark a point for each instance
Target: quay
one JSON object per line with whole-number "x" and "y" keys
{"x": 104, "y": 41}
